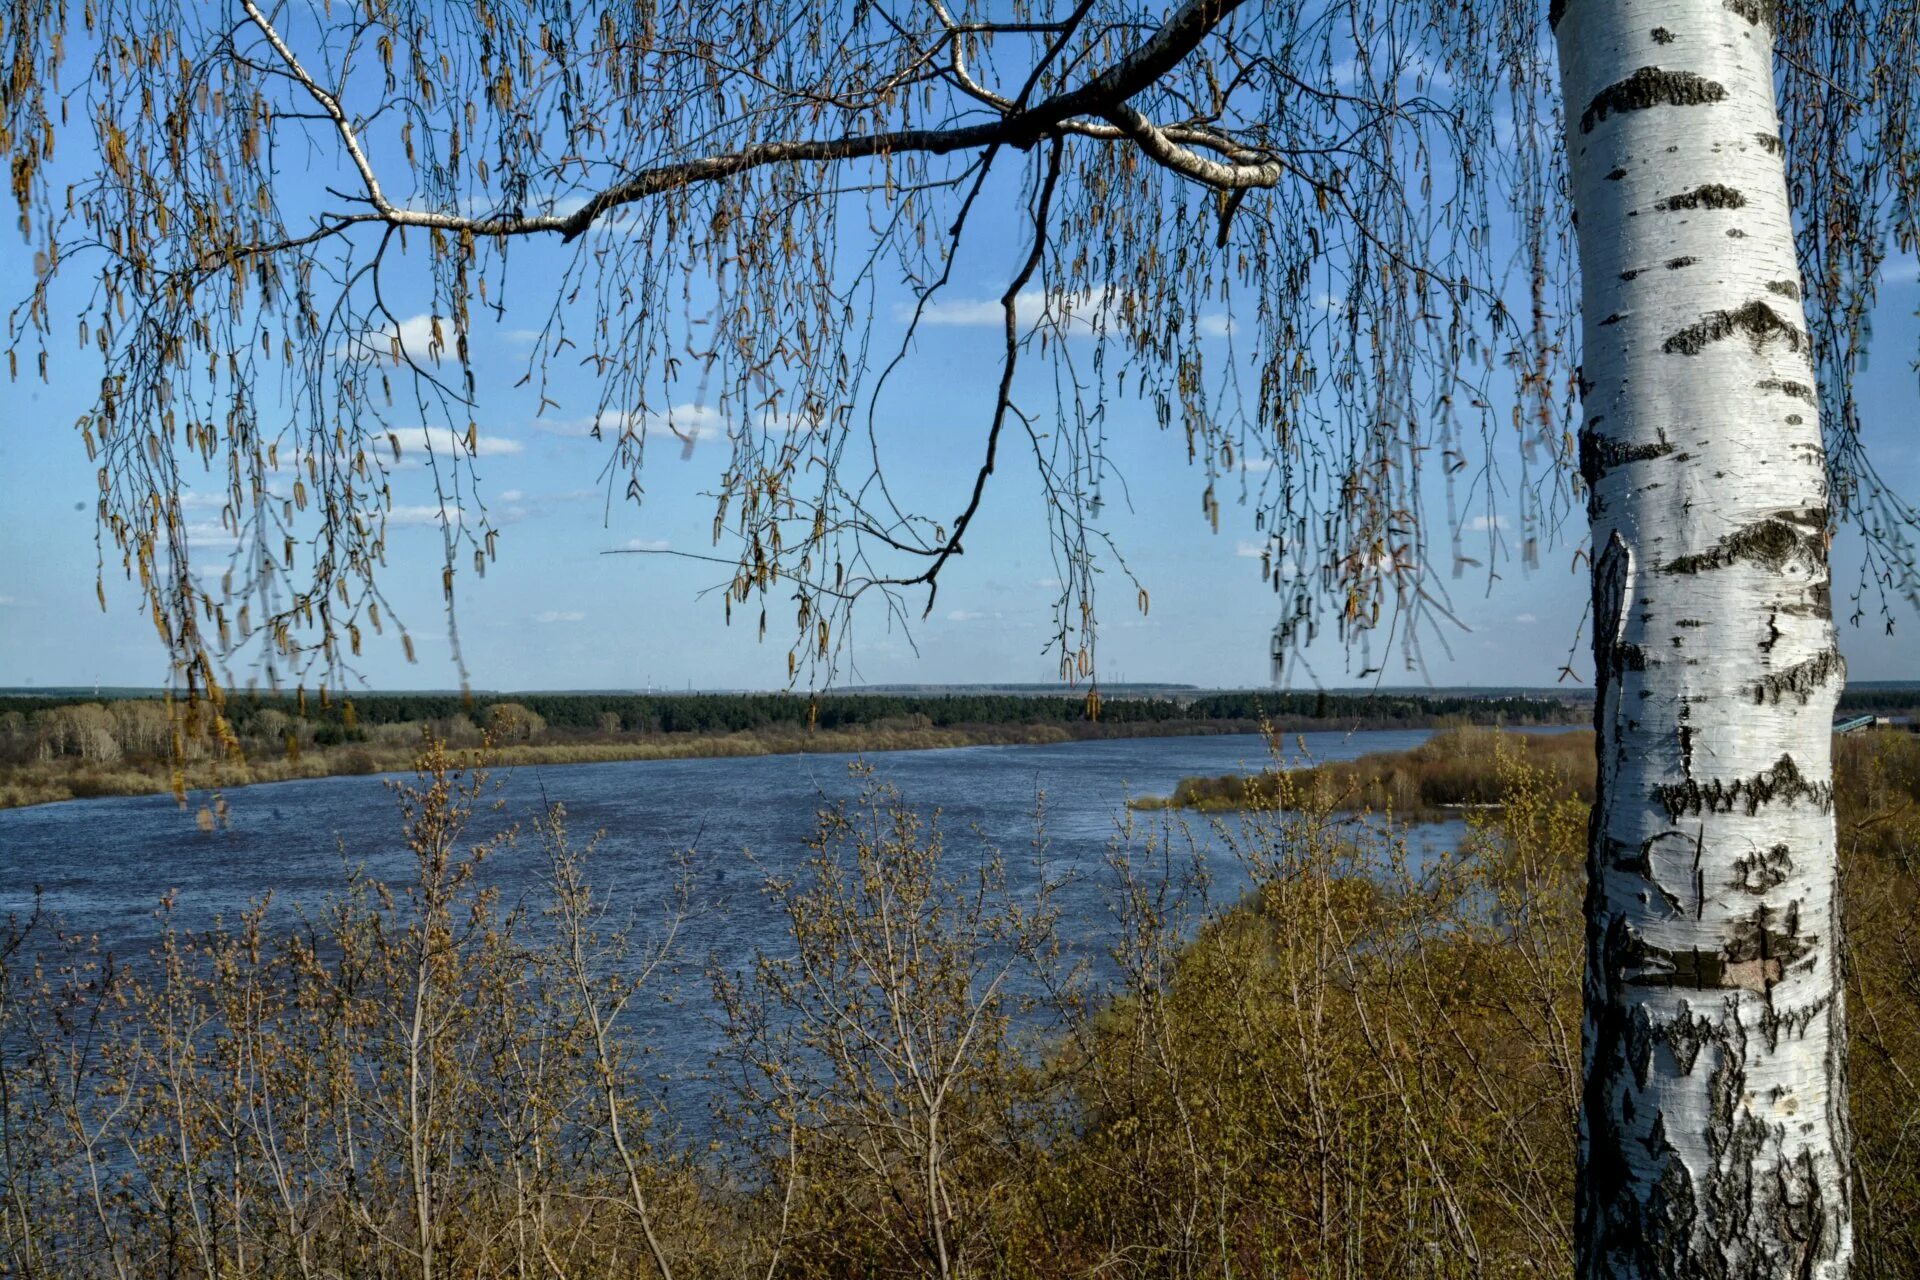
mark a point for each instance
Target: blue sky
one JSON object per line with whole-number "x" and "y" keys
{"x": 557, "y": 611}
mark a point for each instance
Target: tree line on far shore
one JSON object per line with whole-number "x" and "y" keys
{"x": 107, "y": 731}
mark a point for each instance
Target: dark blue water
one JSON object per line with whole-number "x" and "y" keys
{"x": 101, "y": 866}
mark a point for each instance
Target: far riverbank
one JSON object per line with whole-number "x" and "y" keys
{"x": 63, "y": 778}
{"x": 74, "y": 747}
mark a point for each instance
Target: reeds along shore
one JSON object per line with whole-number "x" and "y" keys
{"x": 1360, "y": 1068}
{"x": 1444, "y": 775}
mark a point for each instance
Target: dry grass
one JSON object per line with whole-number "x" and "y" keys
{"x": 1455, "y": 770}
{"x": 1363, "y": 1068}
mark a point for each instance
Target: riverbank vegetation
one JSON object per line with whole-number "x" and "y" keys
{"x": 1363, "y": 1065}
{"x": 53, "y": 749}
{"x": 1453, "y": 771}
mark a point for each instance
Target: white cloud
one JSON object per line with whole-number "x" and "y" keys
{"x": 970, "y": 615}
{"x": 560, "y": 615}
{"x": 1217, "y": 326}
{"x": 424, "y": 513}
{"x": 210, "y": 531}
{"x": 512, "y": 495}
{"x": 448, "y": 443}
{"x": 1485, "y": 524}
{"x": 646, "y": 544}
{"x": 1524, "y": 618}
{"x": 963, "y": 312}
{"x": 681, "y": 421}
{"x": 1048, "y": 584}
{"x": 8, "y": 600}
{"x": 564, "y": 206}
{"x": 1250, "y": 550}
{"x": 414, "y": 337}
{"x": 1088, "y": 311}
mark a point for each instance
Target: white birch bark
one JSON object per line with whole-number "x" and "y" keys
{"x": 1714, "y": 1139}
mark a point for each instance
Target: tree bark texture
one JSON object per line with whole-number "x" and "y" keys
{"x": 1714, "y": 1139}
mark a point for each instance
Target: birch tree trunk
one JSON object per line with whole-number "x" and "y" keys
{"x": 1714, "y": 1139}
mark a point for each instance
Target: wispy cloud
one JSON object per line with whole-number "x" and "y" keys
{"x": 1084, "y": 312}
{"x": 210, "y": 532}
{"x": 1250, "y": 550}
{"x": 646, "y": 544}
{"x": 1486, "y": 524}
{"x": 1217, "y": 326}
{"x": 411, "y": 339}
{"x": 1524, "y": 618}
{"x": 682, "y": 421}
{"x": 424, "y": 513}
{"x": 445, "y": 442}
{"x": 560, "y": 615}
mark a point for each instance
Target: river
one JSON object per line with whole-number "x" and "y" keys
{"x": 101, "y": 866}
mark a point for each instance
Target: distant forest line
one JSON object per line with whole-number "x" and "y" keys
{"x": 672, "y": 713}
{"x": 747, "y": 712}
{"x": 65, "y": 747}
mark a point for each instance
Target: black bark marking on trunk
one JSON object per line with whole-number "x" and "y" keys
{"x": 1763, "y": 869}
{"x": 1685, "y": 1037}
{"x": 1773, "y": 544}
{"x": 1802, "y": 679}
{"x": 1609, "y": 1042}
{"x": 1637, "y": 860}
{"x": 1798, "y": 390}
{"x": 1794, "y": 1021}
{"x": 1756, "y": 12}
{"x": 1762, "y": 947}
{"x": 1662, "y": 36}
{"x": 1785, "y": 288}
{"x": 1651, "y": 87}
{"x": 1755, "y": 954}
{"x": 1771, "y": 143}
{"x": 1760, "y": 322}
{"x": 1616, "y": 175}
{"x": 1674, "y": 264}
{"x": 1784, "y": 783}
{"x": 1711, "y": 195}
{"x": 1599, "y": 455}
